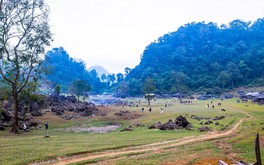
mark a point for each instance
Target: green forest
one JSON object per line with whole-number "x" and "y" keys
{"x": 203, "y": 57}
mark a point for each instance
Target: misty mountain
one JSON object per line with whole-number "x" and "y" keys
{"x": 99, "y": 69}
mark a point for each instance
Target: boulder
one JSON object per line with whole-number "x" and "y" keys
{"x": 181, "y": 121}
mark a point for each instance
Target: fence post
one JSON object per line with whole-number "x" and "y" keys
{"x": 257, "y": 150}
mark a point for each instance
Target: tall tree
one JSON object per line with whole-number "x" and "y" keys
{"x": 80, "y": 87}
{"x": 111, "y": 79}
{"x": 25, "y": 33}
{"x": 103, "y": 77}
{"x": 120, "y": 77}
{"x": 127, "y": 70}
{"x": 148, "y": 88}
{"x": 57, "y": 89}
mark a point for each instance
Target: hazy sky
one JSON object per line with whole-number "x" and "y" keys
{"x": 114, "y": 33}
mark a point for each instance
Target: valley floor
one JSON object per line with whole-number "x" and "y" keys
{"x": 232, "y": 140}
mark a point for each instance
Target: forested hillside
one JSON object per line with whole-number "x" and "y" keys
{"x": 203, "y": 57}
{"x": 63, "y": 70}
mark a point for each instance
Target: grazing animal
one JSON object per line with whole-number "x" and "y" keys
{"x": 223, "y": 109}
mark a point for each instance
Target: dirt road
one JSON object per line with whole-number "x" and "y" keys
{"x": 149, "y": 147}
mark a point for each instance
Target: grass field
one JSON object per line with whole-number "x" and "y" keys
{"x": 32, "y": 147}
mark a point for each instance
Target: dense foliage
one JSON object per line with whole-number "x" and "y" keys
{"x": 63, "y": 70}
{"x": 203, "y": 57}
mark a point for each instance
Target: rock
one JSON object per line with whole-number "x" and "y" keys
{"x": 181, "y": 121}
{"x": 33, "y": 108}
{"x": 204, "y": 129}
{"x": 6, "y": 116}
{"x": 2, "y": 128}
{"x": 168, "y": 126}
{"x": 208, "y": 122}
{"x": 218, "y": 118}
{"x": 59, "y": 110}
{"x": 138, "y": 125}
{"x": 189, "y": 126}
{"x": 36, "y": 113}
{"x": 129, "y": 128}
{"x": 156, "y": 126}
{"x": 72, "y": 99}
{"x": 122, "y": 113}
{"x": 33, "y": 123}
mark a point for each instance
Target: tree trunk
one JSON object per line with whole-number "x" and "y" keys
{"x": 15, "y": 128}
{"x": 148, "y": 101}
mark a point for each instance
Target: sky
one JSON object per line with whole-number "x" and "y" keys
{"x": 114, "y": 33}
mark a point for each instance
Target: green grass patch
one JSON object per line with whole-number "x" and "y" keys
{"x": 33, "y": 147}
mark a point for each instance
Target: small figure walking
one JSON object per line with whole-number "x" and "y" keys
{"x": 46, "y": 125}
{"x": 142, "y": 110}
{"x": 161, "y": 110}
{"x": 24, "y": 127}
{"x": 46, "y": 128}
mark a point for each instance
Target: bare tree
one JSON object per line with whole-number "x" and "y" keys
{"x": 24, "y": 34}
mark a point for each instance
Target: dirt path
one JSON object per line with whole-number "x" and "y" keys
{"x": 148, "y": 147}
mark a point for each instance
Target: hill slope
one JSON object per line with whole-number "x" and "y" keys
{"x": 203, "y": 57}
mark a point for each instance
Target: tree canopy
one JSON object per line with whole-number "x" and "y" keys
{"x": 203, "y": 57}
{"x": 62, "y": 69}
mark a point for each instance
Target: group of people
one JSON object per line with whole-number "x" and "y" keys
{"x": 25, "y": 127}
{"x": 142, "y": 110}
{"x": 150, "y": 109}
{"x": 212, "y": 105}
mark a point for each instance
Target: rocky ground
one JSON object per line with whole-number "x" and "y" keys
{"x": 67, "y": 107}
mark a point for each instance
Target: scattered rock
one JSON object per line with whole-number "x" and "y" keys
{"x": 129, "y": 128}
{"x": 33, "y": 123}
{"x": 180, "y": 123}
{"x": 122, "y": 113}
{"x": 138, "y": 124}
{"x": 208, "y": 122}
{"x": 156, "y": 126}
{"x": 204, "y": 129}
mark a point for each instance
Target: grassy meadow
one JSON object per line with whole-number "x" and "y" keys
{"x": 33, "y": 147}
